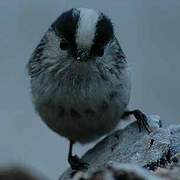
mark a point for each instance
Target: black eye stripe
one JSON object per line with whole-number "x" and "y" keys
{"x": 104, "y": 31}
{"x": 66, "y": 25}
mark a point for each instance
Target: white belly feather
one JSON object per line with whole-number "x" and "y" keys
{"x": 86, "y": 109}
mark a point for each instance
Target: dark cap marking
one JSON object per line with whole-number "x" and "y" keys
{"x": 104, "y": 31}
{"x": 66, "y": 25}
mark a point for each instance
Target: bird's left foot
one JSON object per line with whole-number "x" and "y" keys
{"x": 141, "y": 118}
{"x": 77, "y": 164}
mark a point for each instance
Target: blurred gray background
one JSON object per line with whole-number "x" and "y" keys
{"x": 149, "y": 32}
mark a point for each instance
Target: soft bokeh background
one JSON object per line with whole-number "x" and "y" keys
{"x": 149, "y": 32}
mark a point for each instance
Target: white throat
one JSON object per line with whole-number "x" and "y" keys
{"x": 86, "y": 27}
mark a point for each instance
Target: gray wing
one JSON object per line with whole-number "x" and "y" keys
{"x": 34, "y": 64}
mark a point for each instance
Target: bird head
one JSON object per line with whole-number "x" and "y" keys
{"x": 83, "y": 33}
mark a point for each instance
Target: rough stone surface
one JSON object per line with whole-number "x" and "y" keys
{"x": 118, "y": 171}
{"x": 131, "y": 150}
{"x": 172, "y": 170}
{"x": 175, "y": 139}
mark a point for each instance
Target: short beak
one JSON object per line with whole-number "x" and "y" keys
{"x": 82, "y": 55}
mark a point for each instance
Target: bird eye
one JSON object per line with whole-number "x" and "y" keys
{"x": 64, "y": 45}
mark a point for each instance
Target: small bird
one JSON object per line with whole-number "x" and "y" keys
{"x": 80, "y": 80}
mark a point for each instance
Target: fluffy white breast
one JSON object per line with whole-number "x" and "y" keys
{"x": 86, "y": 27}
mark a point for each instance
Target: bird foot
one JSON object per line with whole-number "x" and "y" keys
{"x": 142, "y": 120}
{"x": 77, "y": 164}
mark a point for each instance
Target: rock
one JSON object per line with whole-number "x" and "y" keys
{"x": 128, "y": 146}
{"x": 118, "y": 171}
{"x": 175, "y": 139}
{"x": 154, "y": 121}
{"x": 172, "y": 171}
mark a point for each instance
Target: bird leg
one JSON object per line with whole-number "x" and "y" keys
{"x": 75, "y": 162}
{"x": 141, "y": 119}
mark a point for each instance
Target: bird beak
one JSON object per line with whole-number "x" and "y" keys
{"x": 82, "y": 55}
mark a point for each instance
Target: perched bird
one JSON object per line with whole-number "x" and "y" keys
{"x": 79, "y": 79}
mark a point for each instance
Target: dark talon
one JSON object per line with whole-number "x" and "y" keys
{"x": 75, "y": 162}
{"x": 139, "y": 123}
{"x": 141, "y": 119}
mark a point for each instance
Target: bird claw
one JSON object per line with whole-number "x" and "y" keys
{"x": 77, "y": 164}
{"x": 142, "y": 120}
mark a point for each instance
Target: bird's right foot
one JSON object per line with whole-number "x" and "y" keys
{"x": 77, "y": 164}
{"x": 141, "y": 118}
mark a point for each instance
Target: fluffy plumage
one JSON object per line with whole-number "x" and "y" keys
{"x": 80, "y": 100}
